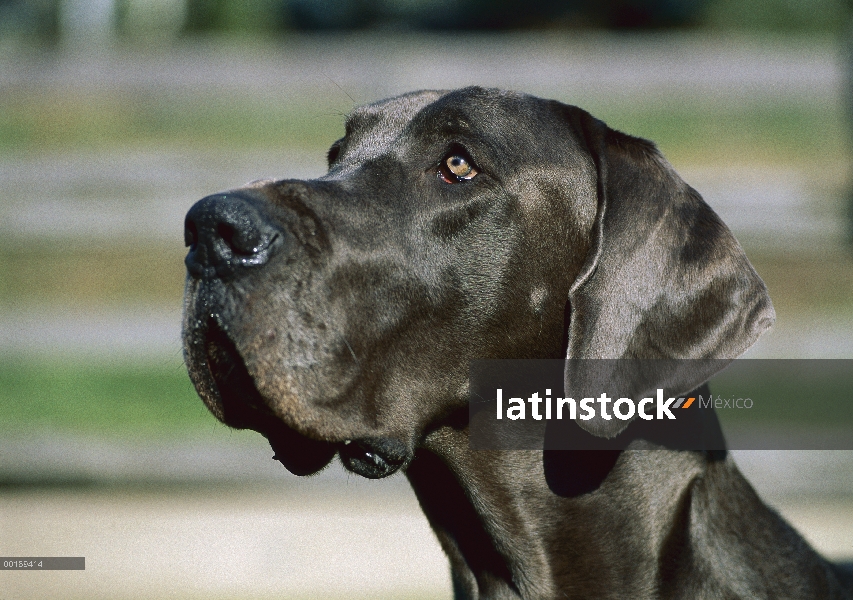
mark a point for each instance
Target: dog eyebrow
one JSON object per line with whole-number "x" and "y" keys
{"x": 358, "y": 120}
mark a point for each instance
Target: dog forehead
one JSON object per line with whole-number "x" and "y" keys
{"x": 391, "y": 114}
{"x": 374, "y": 128}
{"x": 388, "y": 126}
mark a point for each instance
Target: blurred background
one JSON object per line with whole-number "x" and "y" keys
{"x": 116, "y": 115}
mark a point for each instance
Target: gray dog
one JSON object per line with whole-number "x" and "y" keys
{"x": 340, "y": 316}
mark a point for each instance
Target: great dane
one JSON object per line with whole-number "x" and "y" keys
{"x": 339, "y": 316}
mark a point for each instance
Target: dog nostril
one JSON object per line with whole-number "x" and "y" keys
{"x": 190, "y": 234}
{"x": 226, "y": 233}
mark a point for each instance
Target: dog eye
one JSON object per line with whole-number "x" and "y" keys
{"x": 455, "y": 168}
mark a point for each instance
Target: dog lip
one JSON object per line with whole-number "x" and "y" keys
{"x": 243, "y": 407}
{"x": 299, "y": 454}
{"x": 239, "y": 397}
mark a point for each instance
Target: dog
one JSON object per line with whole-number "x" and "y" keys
{"x": 339, "y": 316}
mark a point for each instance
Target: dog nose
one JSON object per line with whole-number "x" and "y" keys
{"x": 226, "y": 234}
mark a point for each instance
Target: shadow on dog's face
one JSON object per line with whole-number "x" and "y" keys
{"x": 340, "y": 314}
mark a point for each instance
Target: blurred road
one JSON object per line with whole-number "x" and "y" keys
{"x": 372, "y": 67}
{"x": 331, "y": 536}
{"x": 351, "y": 540}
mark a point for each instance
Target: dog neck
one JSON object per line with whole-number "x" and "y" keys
{"x": 511, "y": 531}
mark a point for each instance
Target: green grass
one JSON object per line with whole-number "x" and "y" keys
{"x": 101, "y": 121}
{"x": 100, "y": 398}
{"x": 686, "y": 129}
{"x": 746, "y": 131}
{"x": 806, "y": 284}
{"x": 90, "y": 274}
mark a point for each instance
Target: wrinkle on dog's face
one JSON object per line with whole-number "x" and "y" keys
{"x": 369, "y": 334}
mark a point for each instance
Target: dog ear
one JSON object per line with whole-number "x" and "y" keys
{"x": 664, "y": 279}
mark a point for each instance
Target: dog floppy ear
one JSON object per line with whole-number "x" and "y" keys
{"x": 664, "y": 279}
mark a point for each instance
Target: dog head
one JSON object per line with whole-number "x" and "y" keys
{"x": 341, "y": 314}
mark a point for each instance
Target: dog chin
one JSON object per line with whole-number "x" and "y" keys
{"x": 223, "y": 381}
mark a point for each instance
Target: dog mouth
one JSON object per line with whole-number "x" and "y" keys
{"x": 243, "y": 407}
